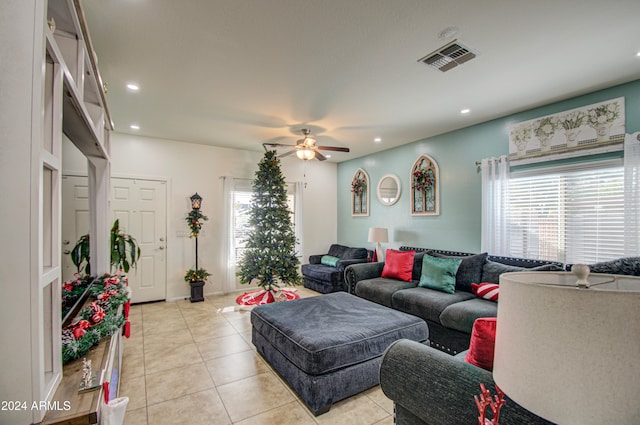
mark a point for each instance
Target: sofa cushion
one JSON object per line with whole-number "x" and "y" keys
{"x": 322, "y": 272}
{"x": 487, "y": 290}
{"x": 347, "y": 253}
{"x": 470, "y": 270}
{"x": 627, "y": 266}
{"x": 329, "y": 260}
{"x": 491, "y": 271}
{"x": 483, "y": 342}
{"x": 379, "y": 290}
{"x": 398, "y": 265}
{"x": 426, "y": 303}
{"x": 439, "y": 273}
{"x": 460, "y": 316}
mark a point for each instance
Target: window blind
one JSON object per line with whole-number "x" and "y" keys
{"x": 570, "y": 214}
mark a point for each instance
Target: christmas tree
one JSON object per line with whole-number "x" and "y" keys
{"x": 270, "y": 258}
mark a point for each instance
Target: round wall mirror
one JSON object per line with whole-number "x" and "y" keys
{"x": 389, "y": 189}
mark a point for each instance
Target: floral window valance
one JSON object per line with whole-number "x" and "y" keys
{"x": 582, "y": 131}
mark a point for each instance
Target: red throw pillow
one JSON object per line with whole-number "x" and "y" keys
{"x": 483, "y": 341}
{"x": 486, "y": 290}
{"x": 398, "y": 265}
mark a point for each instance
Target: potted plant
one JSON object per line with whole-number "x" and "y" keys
{"x": 196, "y": 279}
{"x": 124, "y": 251}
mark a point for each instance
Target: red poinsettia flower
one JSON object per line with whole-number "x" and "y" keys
{"x": 78, "y": 333}
{"x": 67, "y": 286}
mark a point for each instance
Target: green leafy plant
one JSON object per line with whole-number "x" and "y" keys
{"x": 193, "y": 275}
{"x": 125, "y": 251}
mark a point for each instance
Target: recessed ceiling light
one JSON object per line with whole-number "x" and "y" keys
{"x": 133, "y": 87}
{"x": 377, "y": 140}
{"x": 327, "y": 156}
{"x": 465, "y": 111}
{"x": 134, "y": 127}
{"x": 638, "y": 54}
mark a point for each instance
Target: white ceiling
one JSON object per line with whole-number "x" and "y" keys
{"x": 236, "y": 73}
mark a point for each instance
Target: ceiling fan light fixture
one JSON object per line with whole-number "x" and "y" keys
{"x": 305, "y": 154}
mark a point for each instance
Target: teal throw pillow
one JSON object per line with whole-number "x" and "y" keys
{"x": 329, "y": 260}
{"x": 439, "y": 273}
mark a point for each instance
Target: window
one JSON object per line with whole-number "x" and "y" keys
{"x": 568, "y": 214}
{"x": 241, "y": 204}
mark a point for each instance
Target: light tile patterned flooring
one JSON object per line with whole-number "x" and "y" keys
{"x": 194, "y": 363}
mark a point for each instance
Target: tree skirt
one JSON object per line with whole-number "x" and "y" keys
{"x": 261, "y": 296}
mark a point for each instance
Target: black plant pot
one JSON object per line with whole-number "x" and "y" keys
{"x": 197, "y": 291}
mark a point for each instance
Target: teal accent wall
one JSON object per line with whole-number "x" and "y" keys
{"x": 458, "y": 225}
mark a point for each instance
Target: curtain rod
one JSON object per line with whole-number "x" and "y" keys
{"x": 478, "y": 163}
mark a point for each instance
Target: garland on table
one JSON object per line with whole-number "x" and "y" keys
{"x": 72, "y": 290}
{"x": 100, "y": 319}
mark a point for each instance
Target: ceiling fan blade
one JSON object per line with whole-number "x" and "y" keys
{"x": 286, "y": 153}
{"x": 320, "y": 157}
{"x": 332, "y": 148}
{"x": 276, "y": 144}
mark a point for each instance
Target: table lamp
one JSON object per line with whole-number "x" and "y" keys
{"x": 568, "y": 347}
{"x": 378, "y": 235}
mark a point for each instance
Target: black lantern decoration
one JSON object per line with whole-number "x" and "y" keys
{"x": 197, "y": 285}
{"x": 196, "y": 201}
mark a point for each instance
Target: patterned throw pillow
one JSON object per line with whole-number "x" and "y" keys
{"x": 486, "y": 290}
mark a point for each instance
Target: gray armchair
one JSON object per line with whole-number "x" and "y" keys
{"x": 324, "y": 278}
{"x": 430, "y": 387}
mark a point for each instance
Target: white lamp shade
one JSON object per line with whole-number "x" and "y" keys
{"x": 570, "y": 355}
{"x": 378, "y": 234}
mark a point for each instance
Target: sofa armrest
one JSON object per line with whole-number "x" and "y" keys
{"x": 315, "y": 259}
{"x": 343, "y": 264}
{"x": 361, "y": 271}
{"x": 439, "y": 388}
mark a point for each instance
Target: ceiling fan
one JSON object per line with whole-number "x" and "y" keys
{"x": 306, "y": 147}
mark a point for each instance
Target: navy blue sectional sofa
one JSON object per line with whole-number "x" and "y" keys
{"x": 450, "y": 316}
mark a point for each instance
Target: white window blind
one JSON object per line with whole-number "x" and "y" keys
{"x": 569, "y": 214}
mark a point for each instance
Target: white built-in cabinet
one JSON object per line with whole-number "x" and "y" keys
{"x": 68, "y": 98}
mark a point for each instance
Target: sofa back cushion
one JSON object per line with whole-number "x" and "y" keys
{"x": 470, "y": 270}
{"x": 491, "y": 271}
{"x": 347, "y": 253}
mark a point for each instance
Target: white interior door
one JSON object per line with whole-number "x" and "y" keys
{"x": 140, "y": 205}
{"x": 75, "y": 219}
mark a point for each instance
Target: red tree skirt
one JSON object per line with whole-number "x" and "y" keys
{"x": 261, "y": 296}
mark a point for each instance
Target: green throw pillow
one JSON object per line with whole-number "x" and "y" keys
{"x": 439, "y": 273}
{"x": 329, "y": 260}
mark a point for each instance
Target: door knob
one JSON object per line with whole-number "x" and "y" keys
{"x": 161, "y": 247}
{"x": 161, "y": 239}
{"x": 67, "y": 252}
{"x": 65, "y": 242}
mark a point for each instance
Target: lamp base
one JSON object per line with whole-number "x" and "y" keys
{"x": 494, "y": 403}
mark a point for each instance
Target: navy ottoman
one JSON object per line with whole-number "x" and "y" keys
{"x": 330, "y": 347}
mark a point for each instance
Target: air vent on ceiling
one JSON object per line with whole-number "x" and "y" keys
{"x": 448, "y": 57}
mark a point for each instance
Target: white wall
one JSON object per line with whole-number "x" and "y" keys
{"x": 191, "y": 168}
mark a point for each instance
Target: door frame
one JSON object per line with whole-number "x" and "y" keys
{"x": 167, "y": 182}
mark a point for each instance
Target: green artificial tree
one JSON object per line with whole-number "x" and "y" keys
{"x": 270, "y": 257}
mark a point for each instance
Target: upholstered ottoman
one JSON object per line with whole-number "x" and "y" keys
{"x": 329, "y": 347}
